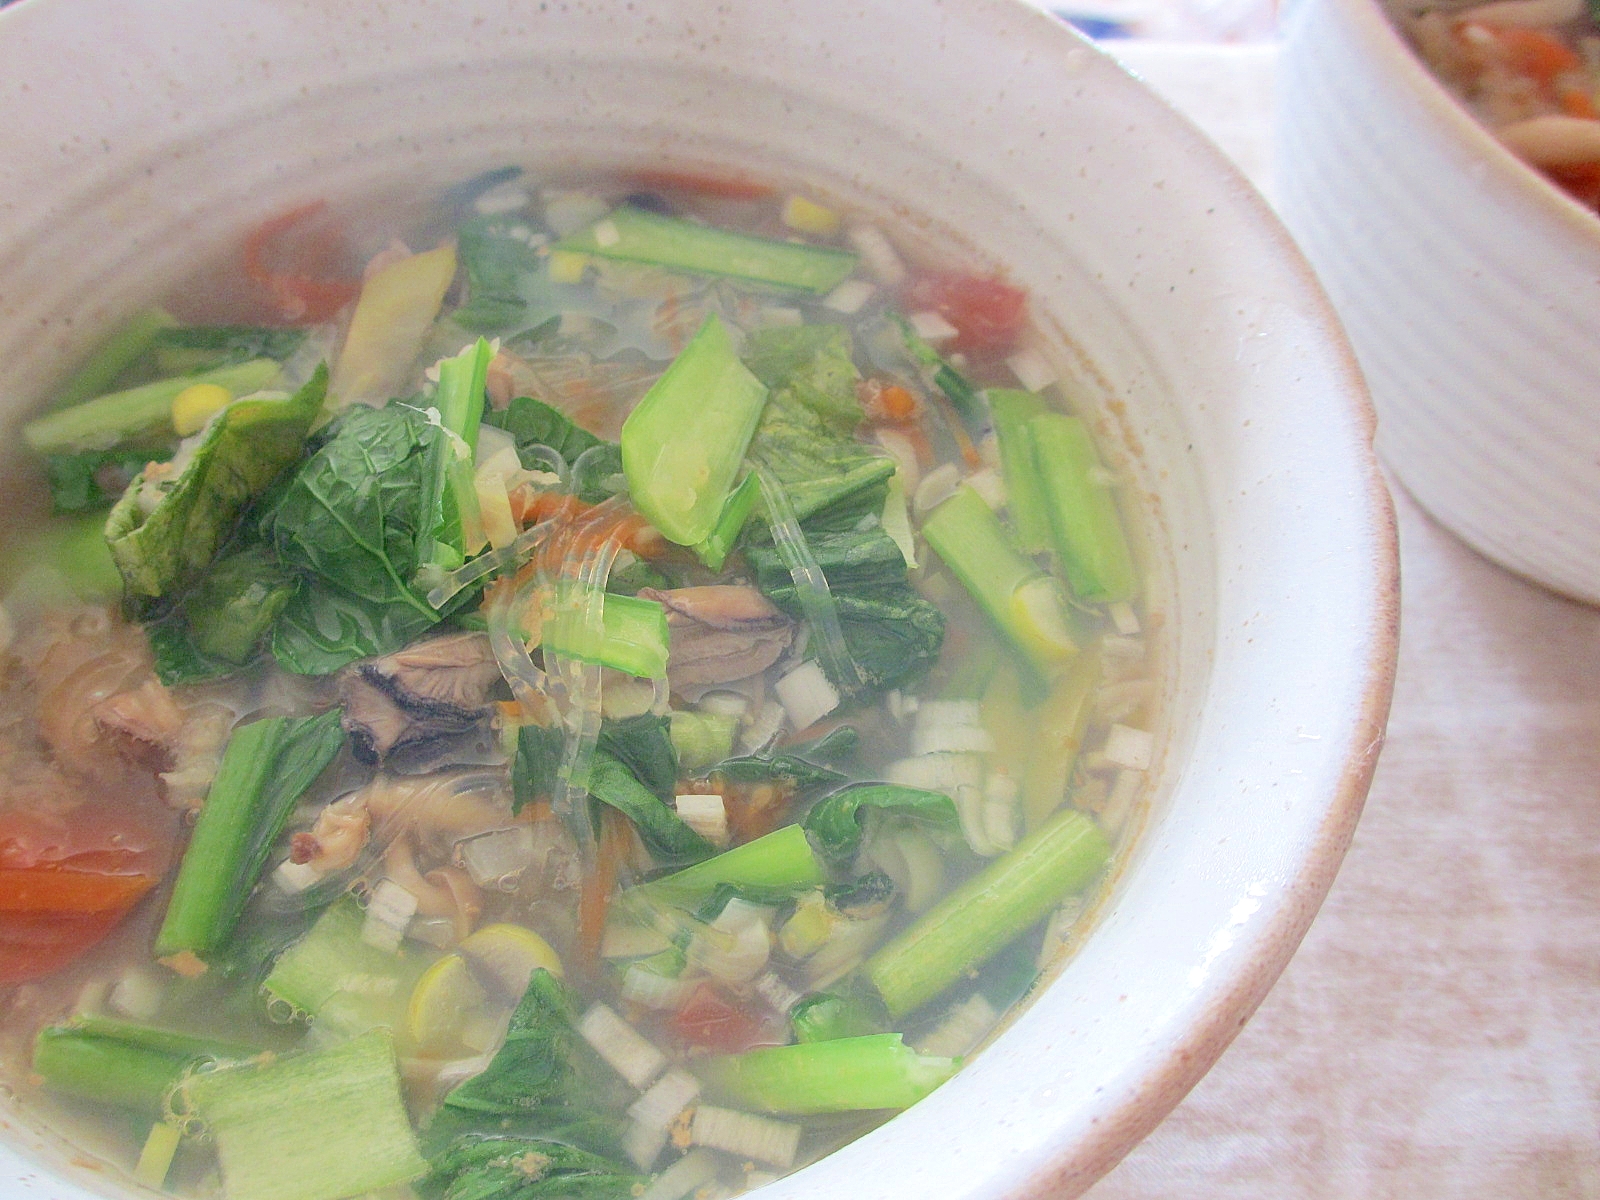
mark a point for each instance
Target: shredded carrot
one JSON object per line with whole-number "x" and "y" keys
{"x": 1531, "y": 52}
{"x": 530, "y": 506}
{"x": 594, "y": 898}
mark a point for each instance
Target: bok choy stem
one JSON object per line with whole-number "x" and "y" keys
{"x": 266, "y": 767}
{"x": 986, "y": 913}
{"x": 851, "y": 1074}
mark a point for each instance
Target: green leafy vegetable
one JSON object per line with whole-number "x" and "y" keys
{"x": 351, "y": 521}
{"x": 511, "y": 1167}
{"x": 644, "y": 745}
{"x": 536, "y": 426}
{"x": 162, "y": 547}
{"x": 849, "y": 1074}
{"x": 113, "y": 359}
{"x": 804, "y": 765}
{"x": 190, "y": 348}
{"x": 504, "y": 274}
{"x": 267, "y": 766}
{"x": 824, "y": 1016}
{"x": 532, "y": 1068}
{"x": 535, "y": 764}
{"x": 94, "y": 479}
{"x": 804, "y": 439}
{"x": 663, "y": 831}
{"x": 121, "y": 1062}
{"x": 450, "y": 498}
{"x": 835, "y": 822}
{"x": 236, "y": 603}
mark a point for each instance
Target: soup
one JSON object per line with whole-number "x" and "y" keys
{"x": 1530, "y": 70}
{"x": 612, "y": 693}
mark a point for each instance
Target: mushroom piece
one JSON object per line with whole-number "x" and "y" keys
{"x": 403, "y": 702}
{"x": 720, "y": 633}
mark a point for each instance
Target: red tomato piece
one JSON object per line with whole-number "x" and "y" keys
{"x": 987, "y": 312}
{"x": 66, "y": 881}
{"x": 709, "y": 1019}
{"x": 298, "y": 262}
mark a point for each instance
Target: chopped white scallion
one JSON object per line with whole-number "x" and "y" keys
{"x": 725, "y": 704}
{"x": 931, "y": 327}
{"x": 780, "y": 997}
{"x": 941, "y": 772}
{"x": 625, "y": 939}
{"x": 567, "y": 212}
{"x": 807, "y": 695}
{"x": 766, "y": 725}
{"x": 137, "y": 994}
{"x": 961, "y": 1029}
{"x": 640, "y": 985}
{"x": 936, "y": 486}
{"x": 292, "y": 878}
{"x": 933, "y": 714}
{"x": 904, "y": 453}
{"x": 643, "y": 1146}
{"x": 735, "y": 947}
{"x": 502, "y": 198}
{"x": 850, "y": 296}
{"x": 746, "y": 1135}
{"x": 912, "y": 861}
{"x": 775, "y": 314}
{"x": 1115, "y": 811}
{"x": 707, "y": 815}
{"x": 1032, "y": 370}
{"x": 494, "y": 509}
{"x": 971, "y": 807}
{"x": 1128, "y": 649}
{"x": 438, "y": 932}
{"x": 622, "y": 1046}
{"x": 1129, "y": 747}
{"x": 1102, "y": 477}
{"x": 1003, "y": 809}
{"x": 389, "y": 911}
{"x": 694, "y": 1169}
{"x": 851, "y": 940}
{"x": 1123, "y": 619}
{"x": 667, "y": 1097}
{"x": 606, "y": 234}
{"x": 1058, "y": 931}
{"x": 879, "y": 256}
{"x": 498, "y": 858}
{"x": 990, "y": 486}
{"x": 952, "y": 739}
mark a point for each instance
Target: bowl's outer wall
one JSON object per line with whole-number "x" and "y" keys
{"x": 1199, "y": 341}
{"x": 1469, "y": 285}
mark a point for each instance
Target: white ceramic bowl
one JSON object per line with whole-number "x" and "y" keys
{"x": 1467, "y": 282}
{"x": 1216, "y": 368}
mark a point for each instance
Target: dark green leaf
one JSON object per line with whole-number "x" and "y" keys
{"x": 504, "y": 274}
{"x": 835, "y": 822}
{"x": 824, "y": 1016}
{"x": 534, "y": 423}
{"x": 190, "y": 348}
{"x": 810, "y": 365}
{"x": 805, "y": 765}
{"x": 162, "y": 550}
{"x": 96, "y": 478}
{"x": 538, "y": 759}
{"x": 232, "y": 608}
{"x": 858, "y": 558}
{"x": 352, "y": 520}
{"x": 643, "y": 744}
{"x": 671, "y": 841}
{"x": 510, "y": 1167}
{"x": 532, "y": 1068}
{"x": 177, "y": 659}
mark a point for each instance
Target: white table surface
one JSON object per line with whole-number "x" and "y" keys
{"x": 1438, "y": 1034}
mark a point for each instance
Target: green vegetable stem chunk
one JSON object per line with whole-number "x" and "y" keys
{"x": 683, "y": 444}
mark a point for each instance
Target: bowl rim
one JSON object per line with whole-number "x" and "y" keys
{"x": 1152, "y": 1090}
{"x": 1383, "y": 37}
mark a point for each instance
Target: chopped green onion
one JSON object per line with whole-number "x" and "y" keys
{"x": 114, "y": 355}
{"x": 781, "y": 861}
{"x": 1025, "y": 499}
{"x": 1083, "y": 511}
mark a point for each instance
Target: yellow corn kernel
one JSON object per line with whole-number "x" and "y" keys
{"x": 567, "y": 266}
{"x": 809, "y": 217}
{"x": 193, "y": 407}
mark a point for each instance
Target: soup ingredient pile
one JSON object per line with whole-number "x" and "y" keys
{"x": 614, "y": 698}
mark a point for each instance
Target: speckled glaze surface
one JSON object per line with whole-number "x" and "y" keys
{"x": 1469, "y": 285}
{"x": 1206, "y": 352}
